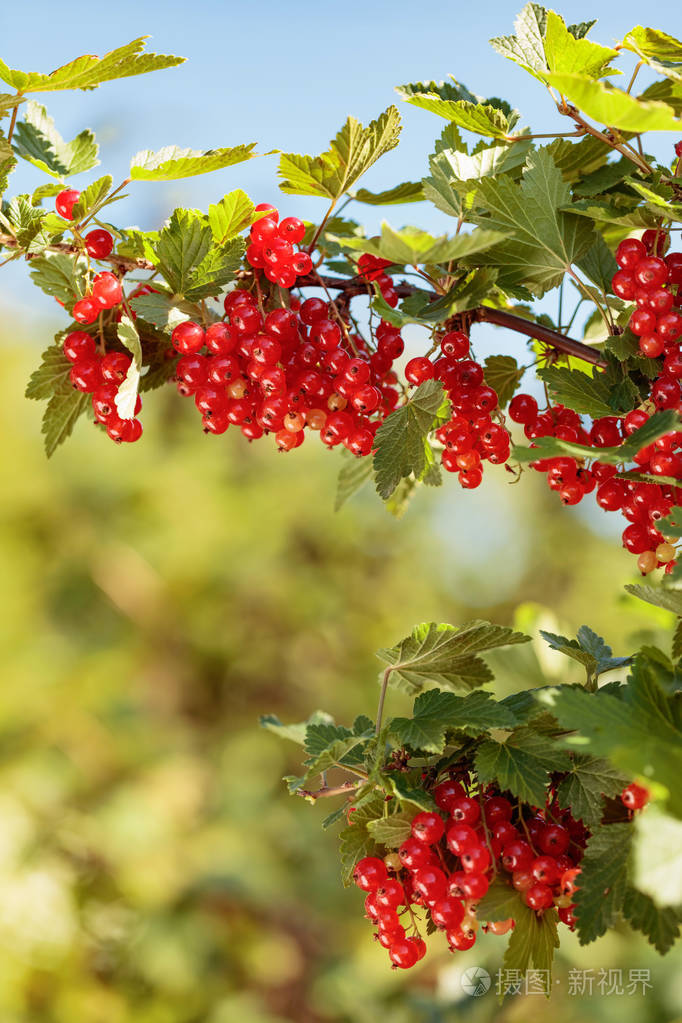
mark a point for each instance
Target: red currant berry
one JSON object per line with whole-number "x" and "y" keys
{"x": 634, "y": 796}
{"x": 65, "y": 202}
{"x": 106, "y": 290}
{"x": 79, "y": 345}
{"x": 188, "y": 338}
{"x": 538, "y": 896}
{"x": 370, "y": 872}
{"x": 99, "y": 243}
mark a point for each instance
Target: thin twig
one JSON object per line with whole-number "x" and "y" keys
{"x": 327, "y": 792}
{"x": 12, "y": 123}
{"x": 382, "y": 697}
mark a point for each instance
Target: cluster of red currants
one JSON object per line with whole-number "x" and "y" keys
{"x": 273, "y": 247}
{"x": 471, "y": 436}
{"x": 101, "y": 376}
{"x": 450, "y": 859}
{"x": 286, "y": 371}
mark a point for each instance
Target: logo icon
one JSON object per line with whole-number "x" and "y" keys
{"x": 475, "y": 981}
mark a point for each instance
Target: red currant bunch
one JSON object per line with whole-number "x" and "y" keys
{"x": 101, "y": 376}
{"x": 372, "y": 268}
{"x": 273, "y": 247}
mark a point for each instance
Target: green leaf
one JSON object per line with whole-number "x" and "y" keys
{"x": 452, "y": 100}
{"x": 452, "y": 185}
{"x": 566, "y": 53}
{"x": 37, "y": 140}
{"x": 413, "y": 246}
{"x": 526, "y": 48}
{"x": 93, "y": 198}
{"x": 27, "y": 223}
{"x": 543, "y": 242}
{"x": 183, "y": 244}
{"x": 500, "y": 902}
{"x": 51, "y": 375}
{"x": 296, "y": 732}
{"x": 161, "y": 309}
{"x": 657, "y": 866}
{"x": 444, "y": 655}
{"x": 171, "y": 162}
{"x": 352, "y": 152}
{"x": 670, "y": 599}
{"x": 353, "y": 475}
{"x": 436, "y": 712}
{"x": 608, "y": 105}
{"x": 413, "y": 792}
{"x": 355, "y": 840}
{"x": 603, "y": 880}
{"x": 401, "y": 446}
{"x": 659, "y": 205}
{"x": 232, "y": 215}
{"x": 503, "y": 374}
{"x": 588, "y": 395}
{"x": 60, "y": 275}
{"x": 589, "y": 649}
{"x": 589, "y": 779}
{"x": 216, "y": 270}
{"x": 661, "y": 926}
{"x": 408, "y": 191}
{"x": 391, "y": 831}
{"x": 598, "y": 264}
{"x": 521, "y": 764}
{"x": 88, "y": 72}
{"x": 662, "y": 52}
{"x": 126, "y": 395}
{"x": 551, "y": 447}
{"x": 533, "y": 940}
{"x": 635, "y": 731}
{"x": 61, "y": 415}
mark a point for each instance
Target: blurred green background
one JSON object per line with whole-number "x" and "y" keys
{"x": 157, "y": 599}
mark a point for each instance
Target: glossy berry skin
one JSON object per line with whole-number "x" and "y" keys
{"x": 390, "y": 894}
{"x": 370, "y": 873}
{"x": 86, "y": 310}
{"x": 465, "y": 810}
{"x": 634, "y": 796}
{"x": 65, "y": 202}
{"x": 430, "y": 882}
{"x": 460, "y": 837}
{"x": 629, "y": 253}
{"x": 114, "y": 367}
{"x": 553, "y": 839}
{"x": 428, "y": 828}
{"x": 455, "y": 344}
{"x": 447, "y": 912}
{"x": 538, "y": 896}
{"x": 403, "y": 954}
{"x": 99, "y": 243}
{"x": 523, "y": 408}
{"x": 568, "y": 881}
{"x": 418, "y": 370}
{"x": 473, "y": 885}
{"x": 414, "y": 854}
{"x": 545, "y": 870}
{"x": 106, "y": 290}
{"x": 475, "y": 859}
{"x": 517, "y": 856}
{"x": 188, "y": 338}
{"x": 460, "y": 940}
{"x": 85, "y": 375}
{"x": 496, "y": 809}
{"x": 447, "y": 793}
{"x": 79, "y": 345}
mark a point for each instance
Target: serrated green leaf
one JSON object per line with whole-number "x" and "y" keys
{"x": 88, "y": 72}
{"x": 37, "y": 140}
{"x": 352, "y": 152}
{"x": 503, "y": 374}
{"x": 172, "y": 163}
{"x": 661, "y": 926}
{"x": 662, "y": 52}
{"x": 232, "y": 215}
{"x": 543, "y": 242}
{"x": 436, "y": 712}
{"x": 660, "y": 205}
{"x": 444, "y": 655}
{"x": 669, "y": 599}
{"x": 598, "y": 264}
{"x": 589, "y": 779}
{"x": 411, "y": 792}
{"x": 566, "y": 53}
{"x": 657, "y": 856}
{"x": 215, "y": 271}
{"x": 608, "y": 105}
{"x": 588, "y": 395}
{"x": 353, "y": 475}
{"x": 61, "y": 415}
{"x": 526, "y": 48}
{"x": 551, "y": 447}
{"x": 60, "y": 275}
{"x": 355, "y": 840}
{"x": 162, "y": 310}
{"x": 408, "y": 191}
{"x": 500, "y": 902}
{"x": 477, "y": 117}
{"x": 295, "y": 732}
{"x": 603, "y": 880}
{"x": 391, "y": 831}
{"x": 634, "y": 732}
{"x": 182, "y": 245}
{"x": 588, "y": 649}
{"x": 414, "y": 246}
{"x": 93, "y": 198}
{"x": 533, "y": 940}
{"x": 27, "y": 223}
{"x": 521, "y": 764}
{"x": 401, "y": 445}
